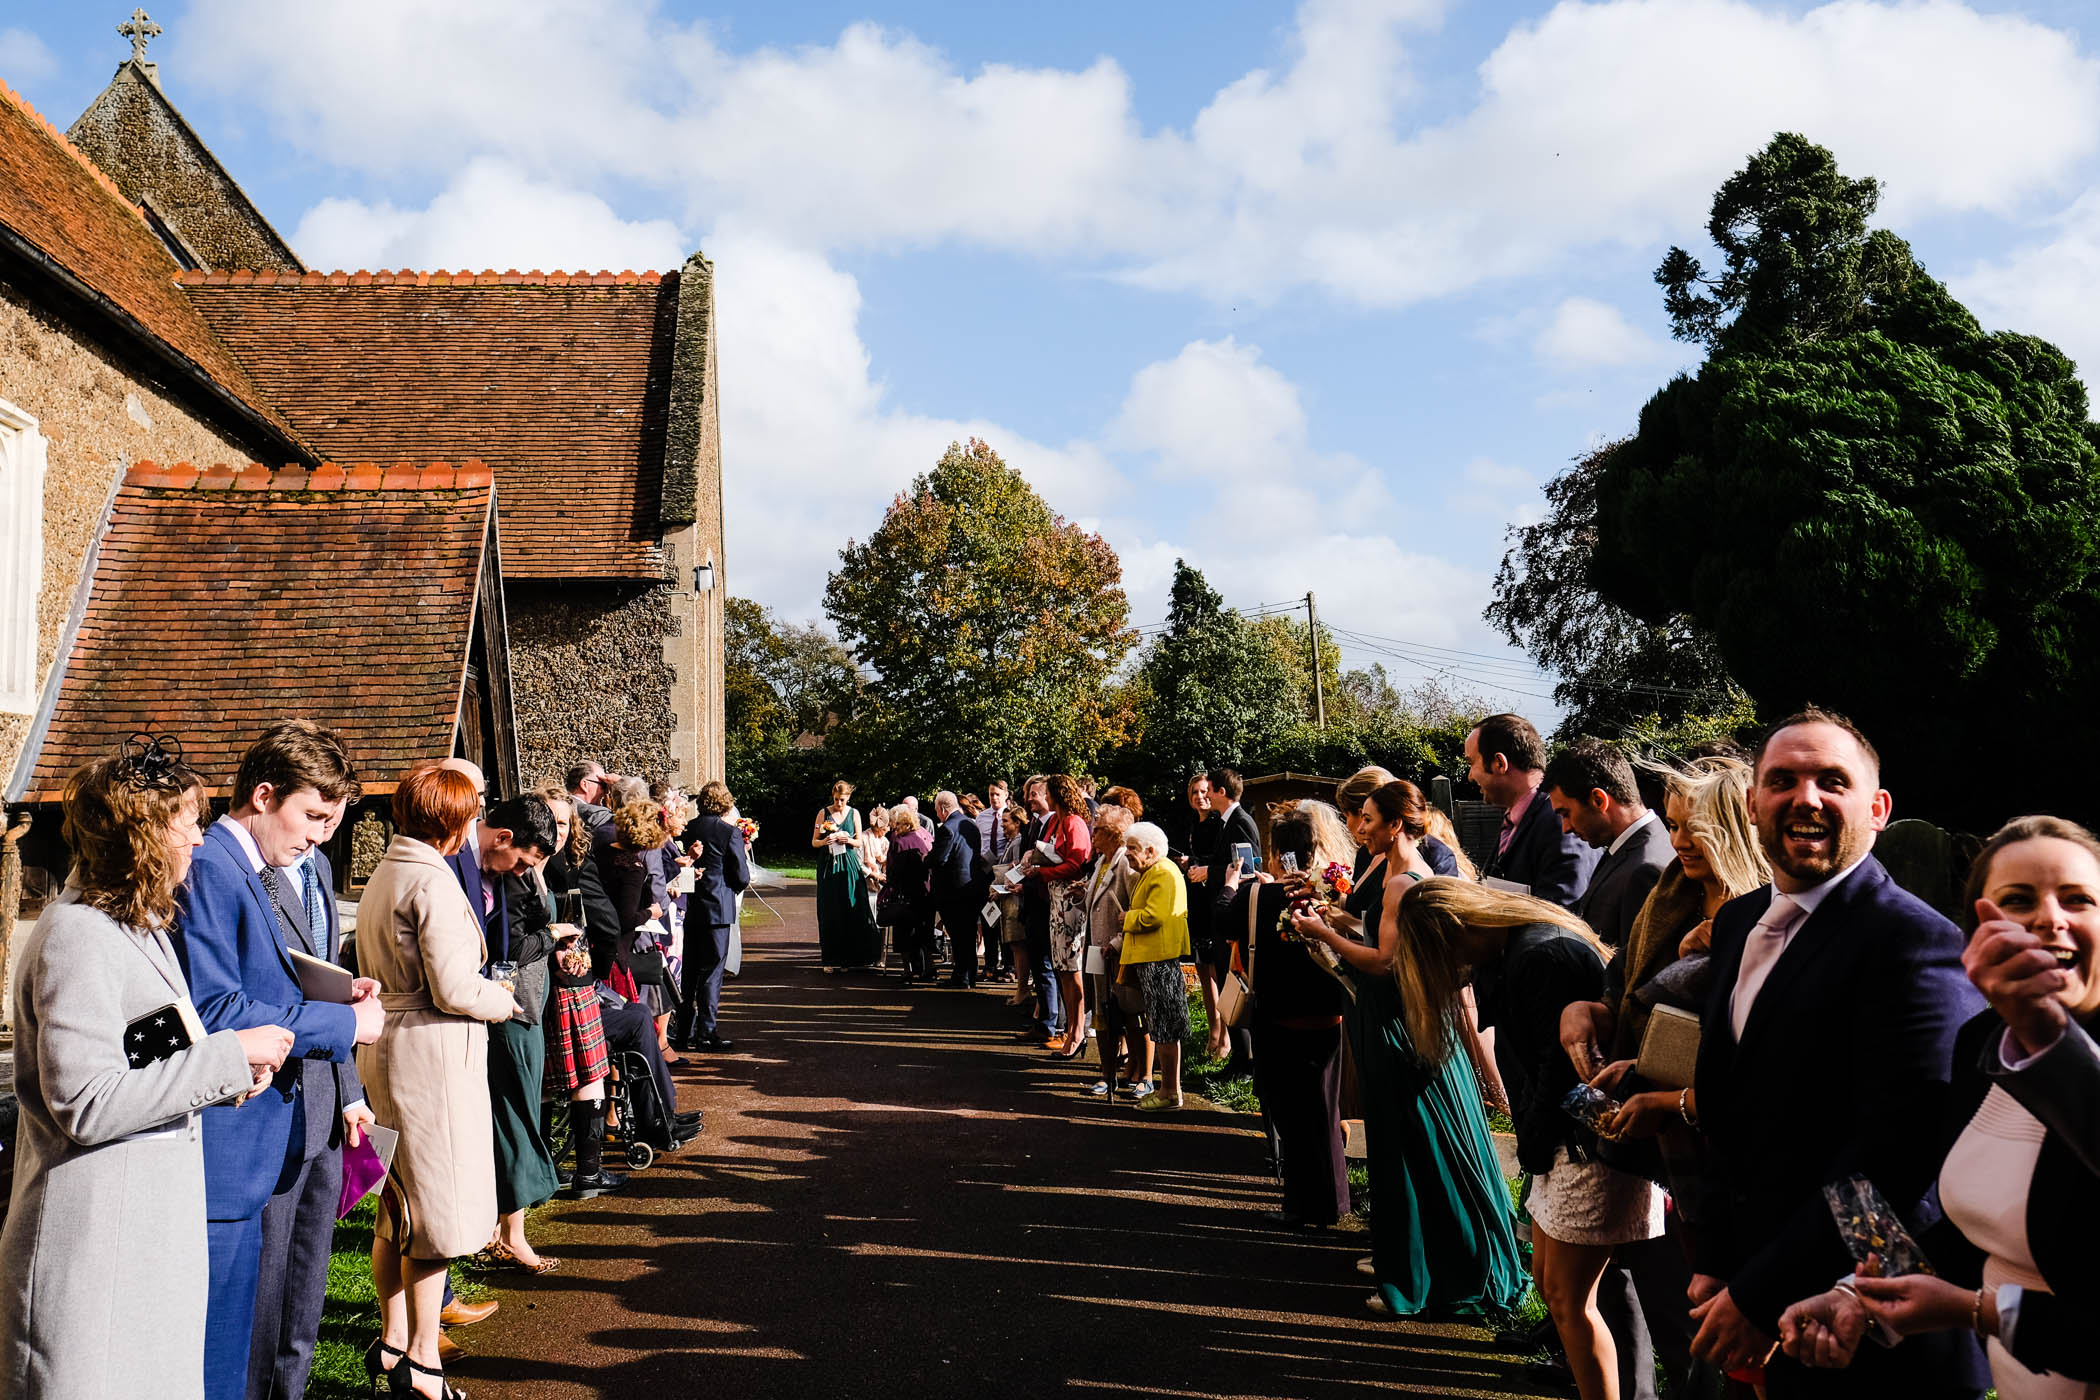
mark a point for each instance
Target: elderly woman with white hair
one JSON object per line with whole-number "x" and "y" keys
{"x": 1155, "y": 936}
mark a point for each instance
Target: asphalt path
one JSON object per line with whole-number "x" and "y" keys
{"x": 897, "y": 1196}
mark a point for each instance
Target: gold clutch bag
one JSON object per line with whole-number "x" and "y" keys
{"x": 1669, "y": 1048}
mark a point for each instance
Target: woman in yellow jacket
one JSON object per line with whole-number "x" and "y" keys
{"x": 1155, "y": 936}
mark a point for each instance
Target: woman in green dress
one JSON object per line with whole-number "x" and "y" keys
{"x": 1443, "y": 1237}
{"x": 847, "y": 934}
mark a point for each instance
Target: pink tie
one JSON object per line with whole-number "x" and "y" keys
{"x": 1766, "y": 942}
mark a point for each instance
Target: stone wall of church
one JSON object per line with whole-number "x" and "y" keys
{"x": 98, "y": 416}
{"x": 589, "y": 675}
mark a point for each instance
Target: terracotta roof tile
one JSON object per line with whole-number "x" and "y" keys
{"x": 561, "y": 381}
{"x": 215, "y": 612}
{"x": 56, "y": 199}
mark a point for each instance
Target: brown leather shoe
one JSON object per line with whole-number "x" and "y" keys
{"x": 459, "y": 1313}
{"x": 448, "y": 1350}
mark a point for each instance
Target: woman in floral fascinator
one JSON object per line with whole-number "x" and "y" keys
{"x": 111, "y": 1069}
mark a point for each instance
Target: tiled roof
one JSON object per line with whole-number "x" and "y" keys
{"x": 225, "y": 599}
{"x": 559, "y": 380}
{"x": 53, "y": 198}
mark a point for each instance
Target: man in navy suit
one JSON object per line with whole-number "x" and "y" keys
{"x": 239, "y": 916}
{"x": 1827, "y": 1052}
{"x": 957, "y": 887}
{"x": 723, "y": 872}
{"x": 1506, "y": 760}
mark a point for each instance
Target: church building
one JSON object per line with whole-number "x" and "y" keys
{"x": 508, "y": 485}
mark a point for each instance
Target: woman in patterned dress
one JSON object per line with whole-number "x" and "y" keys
{"x": 1064, "y": 879}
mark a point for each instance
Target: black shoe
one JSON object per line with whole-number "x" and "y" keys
{"x": 1538, "y": 1334}
{"x": 713, "y": 1044}
{"x": 687, "y": 1125}
{"x": 1285, "y": 1219}
{"x": 583, "y": 1188}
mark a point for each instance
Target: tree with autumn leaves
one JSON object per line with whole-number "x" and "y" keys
{"x": 991, "y": 627}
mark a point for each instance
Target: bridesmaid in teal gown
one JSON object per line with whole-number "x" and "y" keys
{"x": 1443, "y": 1237}
{"x": 847, "y": 934}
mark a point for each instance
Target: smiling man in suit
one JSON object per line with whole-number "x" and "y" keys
{"x": 1827, "y": 1052}
{"x": 241, "y": 913}
{"x": 1506, "y": 760}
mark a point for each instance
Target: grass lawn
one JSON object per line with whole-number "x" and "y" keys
{"x": 795, "y": 867}
{"x": 351, "y": 1318}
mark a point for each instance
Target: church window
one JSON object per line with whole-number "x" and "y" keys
{"x": 21, "y": 556}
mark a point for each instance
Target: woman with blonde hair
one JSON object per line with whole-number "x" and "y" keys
{"x": 103, "y": 1262}
{"x": 1707, "y": 813}
{"x": 1333, "y": 842}
{"x": 911, "y": 892}
{"x": 637, "y": 950}
{"x": 1527, "y": 961}
{"x": 1442, "y": 1236}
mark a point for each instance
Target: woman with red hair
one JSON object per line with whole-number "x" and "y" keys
{"x": 427, "y": 1074}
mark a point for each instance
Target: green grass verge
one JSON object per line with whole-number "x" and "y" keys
{"x": 794, "y": 867}
{"x": 351, "y": 1318}
{"x": 1200, "y": 1074}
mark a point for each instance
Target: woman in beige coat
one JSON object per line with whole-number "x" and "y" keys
{"x": 1107, "y": 900}
{"x": 427, "y": 1074}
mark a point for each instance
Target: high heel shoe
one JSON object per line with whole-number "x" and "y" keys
{"x": 374, "y": 1369}
{"x": 402, "y": 1381}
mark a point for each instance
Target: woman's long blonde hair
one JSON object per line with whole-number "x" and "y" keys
{"x": 1716, "y": 794}
{"x": 1432, "y": 963}
{"x": 1332, "y": 843}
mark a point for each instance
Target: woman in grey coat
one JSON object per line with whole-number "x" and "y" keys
{"x": 103, "y": 1270}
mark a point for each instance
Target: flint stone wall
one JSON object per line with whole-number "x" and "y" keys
{"x": 589, "y": 678}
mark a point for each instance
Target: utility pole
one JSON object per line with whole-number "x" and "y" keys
{"x": 1312, "y": 626}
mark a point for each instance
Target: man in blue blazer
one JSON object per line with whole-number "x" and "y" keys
{"x": 722, "y": 872}
{"x": 1506, "y": 760}
{"x": 1827, "y": 1051}
{"x": 235, "y": 926}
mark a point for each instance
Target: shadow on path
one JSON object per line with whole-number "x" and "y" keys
{"x": 896, "y": 1196}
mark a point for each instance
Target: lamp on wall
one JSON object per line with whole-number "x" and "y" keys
{"x": 704, "y": 576}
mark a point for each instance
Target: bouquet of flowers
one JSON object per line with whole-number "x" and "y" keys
{"x": 1327, "y": 885}
{"x": 749, "y": 828}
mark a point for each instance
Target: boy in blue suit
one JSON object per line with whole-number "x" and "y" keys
{"x": 240, "y": 913}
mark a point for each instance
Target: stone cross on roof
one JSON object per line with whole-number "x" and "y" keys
{"x": 138, "y": 29}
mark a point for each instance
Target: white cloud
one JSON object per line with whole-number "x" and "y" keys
{"x": 813, "y": 449}
{"x": 1213, "y": 411}
{"x": 1586, "y": 334}
{"x": 2048, "y": 288}
{"x": 24, "y": 59}
{"x": 1598, "y": 126}
{"x": 491, "y": 215}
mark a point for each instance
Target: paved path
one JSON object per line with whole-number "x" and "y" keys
{"x": 896, "y": 1197}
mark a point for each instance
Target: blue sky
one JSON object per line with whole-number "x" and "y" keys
{"x": 1314, "y": 295}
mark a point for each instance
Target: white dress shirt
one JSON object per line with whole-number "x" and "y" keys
{"x": 1627, "y": 835}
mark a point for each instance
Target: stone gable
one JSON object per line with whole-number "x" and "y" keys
{"x": 160, "y": 163}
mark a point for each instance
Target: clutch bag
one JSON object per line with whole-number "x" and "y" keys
{"x": 1669, "y": 1053}
{"x": 157, "y": 1035}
